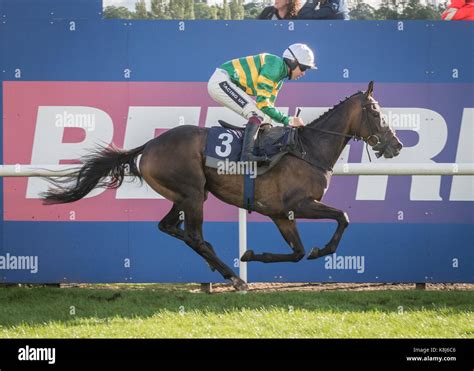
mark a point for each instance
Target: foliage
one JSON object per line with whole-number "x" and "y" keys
{"x": 120, "y": 12}
{"x": 396, "y": 9}
{"x": 236, "y": 10}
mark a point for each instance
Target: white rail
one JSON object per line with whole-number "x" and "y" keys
{"x": 19, "y": 170}
{"x": 405, "y": 169}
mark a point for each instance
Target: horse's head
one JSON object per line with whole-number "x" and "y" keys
{"x": 374, "y": 129}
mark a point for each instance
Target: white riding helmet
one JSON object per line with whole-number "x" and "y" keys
{"x": 302, "y": 54}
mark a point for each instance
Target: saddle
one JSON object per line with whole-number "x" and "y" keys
{"x": 225, "y": 143}
{"x": 224, "y": 147}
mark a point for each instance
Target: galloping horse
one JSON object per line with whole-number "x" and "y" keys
{"x": 173, "y": 165}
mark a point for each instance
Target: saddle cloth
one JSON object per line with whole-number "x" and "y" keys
{"x": 224, "y": 145}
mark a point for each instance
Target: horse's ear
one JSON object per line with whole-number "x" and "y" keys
{"x": 370, "y": 89}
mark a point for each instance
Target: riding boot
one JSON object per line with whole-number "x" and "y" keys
{"x": 250, "y": 135}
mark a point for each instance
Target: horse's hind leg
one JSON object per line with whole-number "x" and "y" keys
{"x": 171, "y": 224}
{"x": 193, "y": 219}
{"x": 290, "y": 234}
{"x": 172, "y": 164}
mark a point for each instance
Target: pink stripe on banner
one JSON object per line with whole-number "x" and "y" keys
{"x": 112, "y": 97}
{"x": 21, "y": 102}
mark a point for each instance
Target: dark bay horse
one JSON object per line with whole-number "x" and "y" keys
{"x": 173, "y": 165}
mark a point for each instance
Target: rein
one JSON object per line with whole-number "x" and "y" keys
{"x": 355, "y": 137}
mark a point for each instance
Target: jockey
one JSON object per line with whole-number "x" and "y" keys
{"x": 260, "y": 76}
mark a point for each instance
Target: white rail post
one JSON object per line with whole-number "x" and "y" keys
{"x": 242, "y": 243}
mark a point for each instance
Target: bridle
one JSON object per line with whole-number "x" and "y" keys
{"x": 379, "y": 145}
{"x": 355, "y": 137}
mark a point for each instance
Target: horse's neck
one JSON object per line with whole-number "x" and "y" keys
{"x": 323, "y": 148}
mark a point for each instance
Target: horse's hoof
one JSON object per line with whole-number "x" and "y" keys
{"x": 314, "y": 253}
{"x": 239, "y": 284}
{"x": 212, "y": 268}
{"x": 248, "y": 256}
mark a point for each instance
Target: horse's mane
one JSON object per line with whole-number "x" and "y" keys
{"x": 331, "y": 110}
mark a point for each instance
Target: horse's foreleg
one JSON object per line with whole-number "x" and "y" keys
{"x": 312, "y": 209}
{"x": 193, "y": 219}
{"x": 289, "y": 232}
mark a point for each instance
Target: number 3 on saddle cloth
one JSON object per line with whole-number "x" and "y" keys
{"x": 224, "y": 147}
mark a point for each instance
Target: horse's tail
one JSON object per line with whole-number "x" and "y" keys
{"x": 102, "y": 168}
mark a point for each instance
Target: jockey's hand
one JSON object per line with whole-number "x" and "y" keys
{"x": 296, "y": 121}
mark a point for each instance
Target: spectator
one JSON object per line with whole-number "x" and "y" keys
{"x": 283, "y": 9}
{"x": 328, "y": 9}
{"x": 459, "y": 10}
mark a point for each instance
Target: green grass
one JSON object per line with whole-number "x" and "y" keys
{"x": 157, "y": 311}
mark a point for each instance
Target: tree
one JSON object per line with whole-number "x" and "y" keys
{"x": 140, "y": 10}
{"x": 202, "y": 11}
{"x": 388, "y": 10}
{"x": 189, "y": 9}
{"x": 214, "y": 12}
{"x": 414, "y": 10}
{"x": 237, "y": 9}
{"x": 159, "y": 9}
{"x": 362, "y": 11}
{"x": 176, "y": 9}
{"x": 253, "y": 10}
{"x": 120, "y": 12}
{"x": 406, "y": 9}
{"x": 225, "y": 14}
